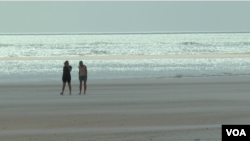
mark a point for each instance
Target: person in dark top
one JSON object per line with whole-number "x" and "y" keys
{"x": 66, "y": 76}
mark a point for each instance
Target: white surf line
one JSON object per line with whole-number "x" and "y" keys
{"x": 131, "y": 56}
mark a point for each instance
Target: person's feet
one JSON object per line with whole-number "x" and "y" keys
{"x": 70, "y": 93}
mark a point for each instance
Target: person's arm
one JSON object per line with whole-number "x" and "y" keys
{"x": 86, "y": 71}
{"x": 78, "y": 70}
{"x": 70, "y": 68}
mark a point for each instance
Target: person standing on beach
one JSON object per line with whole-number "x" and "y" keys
{"x": 82, "y": 76}
{"x": 66, "y": 76}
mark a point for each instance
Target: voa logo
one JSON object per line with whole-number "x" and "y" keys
{"x": 236, "y": 132}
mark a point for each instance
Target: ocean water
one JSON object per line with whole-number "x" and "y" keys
{"x": 15, "y": 49}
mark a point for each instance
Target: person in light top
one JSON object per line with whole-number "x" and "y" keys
{"x": 82, "y": 76}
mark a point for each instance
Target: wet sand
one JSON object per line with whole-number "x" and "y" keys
{"x": 177, "y": 109}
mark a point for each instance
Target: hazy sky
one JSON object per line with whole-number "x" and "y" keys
{"x": 127, "y": 16}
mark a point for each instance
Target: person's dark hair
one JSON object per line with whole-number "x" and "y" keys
{"x": 66, "y": 63}
{"x": 81, "y": 63}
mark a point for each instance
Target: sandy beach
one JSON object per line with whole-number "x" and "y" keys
{"x": 177, "y": 109}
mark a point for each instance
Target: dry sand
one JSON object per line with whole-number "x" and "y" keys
{"x": 180, "y": 109}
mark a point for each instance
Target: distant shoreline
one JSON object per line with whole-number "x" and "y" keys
{"x": 247, "y": 54}
{"x": 122, "y": 33}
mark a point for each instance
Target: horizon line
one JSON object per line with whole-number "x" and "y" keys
{"x": 110, "y": 33}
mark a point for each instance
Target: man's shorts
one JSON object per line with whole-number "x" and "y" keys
{"x": 83, "y": 78}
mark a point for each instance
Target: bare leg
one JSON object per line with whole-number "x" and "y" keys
{"x": 69, "y": 88}
{"x": 85, "y": 86}
{"x": 80, "y": 86}
{"x": 63, "y": 88}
